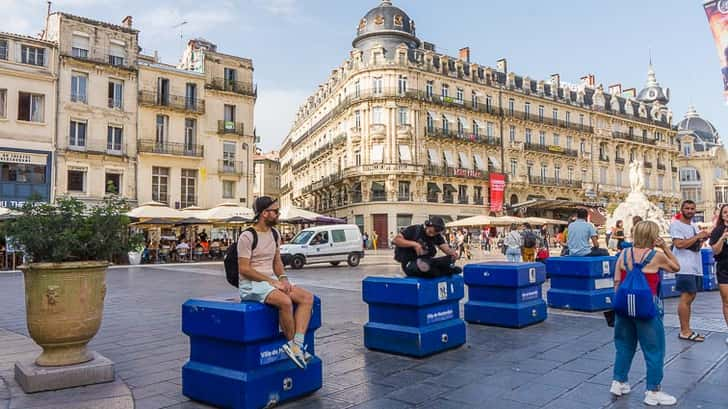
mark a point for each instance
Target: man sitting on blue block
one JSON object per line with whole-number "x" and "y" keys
{"x": 259, "y": 261}
{"x": 581, "y": 233}
{"x": 416, "y": 247}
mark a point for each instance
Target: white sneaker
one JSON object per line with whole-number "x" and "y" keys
{"x": 660, "y": 398}
{"x": 295, "y": 354}
{"x": 619, "y": 388}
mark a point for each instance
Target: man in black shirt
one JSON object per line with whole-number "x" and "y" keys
{"x": 416, "y": 247}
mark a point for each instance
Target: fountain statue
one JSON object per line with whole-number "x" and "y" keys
{"x": 637, "y": 204}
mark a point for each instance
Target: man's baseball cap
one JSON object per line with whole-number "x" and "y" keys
{"x": 261, "y": 204}
{"x": 436, "y": 222}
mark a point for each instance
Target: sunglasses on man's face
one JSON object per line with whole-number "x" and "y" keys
{"x": 276, "y": 211}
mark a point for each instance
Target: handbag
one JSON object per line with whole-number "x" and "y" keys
{"x": 612, "y": 245}
{"x": 634, "y": 298}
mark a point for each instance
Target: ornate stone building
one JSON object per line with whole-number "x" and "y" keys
{"x": 267, "y": 180}
{"x": 703, "y": 165}
{"x": 27, "y": 118}
{"x": 96, "y": 116}
{"x": 400, "y": 132}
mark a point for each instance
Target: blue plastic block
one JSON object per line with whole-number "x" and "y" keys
{"x": 505, "y": 294}
{"x": 500, "y": 274}
{"x": 505, "y": 314}
{"x": 667, "y": 288}
{"x": 710, "y": 280}
{"x": 226, "y": 388}
{"x": 414, "y": 316}
{"x": 410, "y": 316}
{"x": 581, "y": 283}
{"x": 595, "y": 267}
{"x": 236, "y": 360}
{"x": 581, "y": 300}
{"x": 707, "y": 256}
{"x": 413, "y": 341}
{"x": 412, "y": 291}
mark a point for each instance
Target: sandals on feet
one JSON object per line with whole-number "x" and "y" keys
{"x": 694, "y": 337}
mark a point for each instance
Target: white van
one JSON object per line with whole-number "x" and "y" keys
{"x": 324, "y": 244}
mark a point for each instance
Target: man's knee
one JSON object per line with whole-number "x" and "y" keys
{"x": 280, "y": 300}
{"x": 304, "y": 297}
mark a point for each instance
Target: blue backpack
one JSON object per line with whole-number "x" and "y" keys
{"x": 634, "y": 298}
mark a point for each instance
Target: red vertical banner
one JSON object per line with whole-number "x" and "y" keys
{"x": 717, "y": 12}
{"x": 497, "y": 191}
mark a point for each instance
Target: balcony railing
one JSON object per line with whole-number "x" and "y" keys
{"x": 555, "y": 149}
{"x": 478, "y": 200}
{"x": 176, "y": 102}
{"x": 661, "y": 166}
{"x": 648, "y": 165}
{"x": 547, "y": 181}
{"x": 527, "y": 116}
{"x": 620, "y": 161}
{"x": 378, "y": 197}
{"x": 674, "y": 169}
{"x": 603, "y": 158}
{"x": 227, "y": 167}
{"x": 462, "y": 136}
{"x": 463, "y": 200}
{"x": 238, "y": 87}
{"x": 404, "y": 197}
{"x": 230, "y": 127}
{"x": 170, "y": 148}
{"x": 447, "y": 198}
{"x": 320, "y": 151}
{"x": 445, "y": 171}
{"x": 432, "y": 197}
{"x": 99, "y": 56}
{"x": 79, "y": 98}
{"x": 356, "y": 197}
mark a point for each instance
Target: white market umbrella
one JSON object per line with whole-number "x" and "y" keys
{"x": 225, "y": 211}
{"x": 194, "y": 211}
{"x": 480, "y": 220}
{"x": 152, "y": 210}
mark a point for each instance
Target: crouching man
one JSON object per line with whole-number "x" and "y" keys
{"x": 416, "y": 247}
{"x": 262, "y": 278}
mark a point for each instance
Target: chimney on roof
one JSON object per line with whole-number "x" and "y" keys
{"x": 126, "y": 22}
{"x": 615, "y": 89}
{"x": 630, "y": 93}
{"x": 502, "y": 65}
{"x": 556, "y": 81}
{"x": 589, "y": 80}
{"x": 465, "y": 54}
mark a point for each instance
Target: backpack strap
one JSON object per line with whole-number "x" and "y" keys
{"x": 649, "y": 257}
{"x": 254, "y": 244}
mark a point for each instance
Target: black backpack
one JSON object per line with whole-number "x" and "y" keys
{"x": 529, "y": 240}
{"x": 231, "y": 256}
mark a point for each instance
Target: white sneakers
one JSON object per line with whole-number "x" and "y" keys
{"x": 619, "y": 388}
{"x": 660, "y": 398}
{"x": 652, "y": 398}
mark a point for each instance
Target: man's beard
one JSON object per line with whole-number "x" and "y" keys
{"x": 685, "y": 216}
{"x": 271, "y": 223}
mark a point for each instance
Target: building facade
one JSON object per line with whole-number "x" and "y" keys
{"x": 703, "y": 165}
{"x": 400, "y": 132}
{"x": 27, "y": 118}
{"x": 227, "y": 128}
{"x": 267, "y": 181}
{"x": 96, "y": 112}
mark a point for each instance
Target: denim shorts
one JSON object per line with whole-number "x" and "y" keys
{"x": 687, "y": 283}
{"x": 255, "y": 290}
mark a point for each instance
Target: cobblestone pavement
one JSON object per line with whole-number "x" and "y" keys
{"x": 565, "y": 362}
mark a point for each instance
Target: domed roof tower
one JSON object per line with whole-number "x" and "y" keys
{"x": 653, "y": 92}
{"x": 388, "y": 27}
{"x": 705, "y": 134}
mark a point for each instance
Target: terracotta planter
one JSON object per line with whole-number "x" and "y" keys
{"x": 64, "y": 304}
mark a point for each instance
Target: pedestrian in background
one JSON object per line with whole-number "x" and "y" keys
{"x": 375, "y": 237}
{"x": 530, "y": 242}
{"x": 650, "y": 333}
{"x": 513, "y": 242}
{"x": 718, "y": 239}
{"x": 365, "y": 239}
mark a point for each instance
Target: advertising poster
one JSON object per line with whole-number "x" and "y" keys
{"x": 497, "y": 191}
{"x": 717, "y": 12}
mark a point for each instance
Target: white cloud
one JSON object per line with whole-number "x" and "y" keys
{"x": 278, "y": 7}
{"x": 274, "y": 114}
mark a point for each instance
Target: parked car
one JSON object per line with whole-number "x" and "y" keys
{"x": 324, "y": 244}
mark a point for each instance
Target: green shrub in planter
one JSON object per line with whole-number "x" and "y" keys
{"x": 71, "y": 231}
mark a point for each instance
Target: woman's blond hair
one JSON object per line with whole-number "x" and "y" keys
{"x": 645, "y": 233}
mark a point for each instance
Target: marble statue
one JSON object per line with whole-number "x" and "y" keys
{"x": 637, "y": 204}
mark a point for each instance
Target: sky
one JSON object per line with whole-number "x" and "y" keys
{"x": 295, "y": 44}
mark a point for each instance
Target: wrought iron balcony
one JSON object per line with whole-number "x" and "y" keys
{"x": 648, "y": 165}
{"x": 547, "y": 181}
{"x": 447, "y": 198}
{"x": 445, "y": 171}
{"x": 175, "y": 102}
{"x": 462, "y": 136}
{"x": 238, "y": 87}
{"x": 170, "y": 148}
{"x": 404, "y": 197}
{"x": 619, "y": 160}
{"x": 478, "y": 200}
{"x": 603, "y": 158}
{"x": 227, "y": 167}
{"x": 356, "y": 197}
{"x": 432, "y": 197}
{"x": 230, "y": 128}
{"x": 555, "y": 149}
{"x": 99, "y": 56}
{"x": 661, "y": 166}
{"x": 527, "y": 116}
{"x": 378, "y": 197}
{"x": 463, "y": 200}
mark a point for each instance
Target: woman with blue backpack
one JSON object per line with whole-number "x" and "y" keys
{"x": 639, "y": 311}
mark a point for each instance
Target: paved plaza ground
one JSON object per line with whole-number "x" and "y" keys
{"x": 563, "y": 363}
